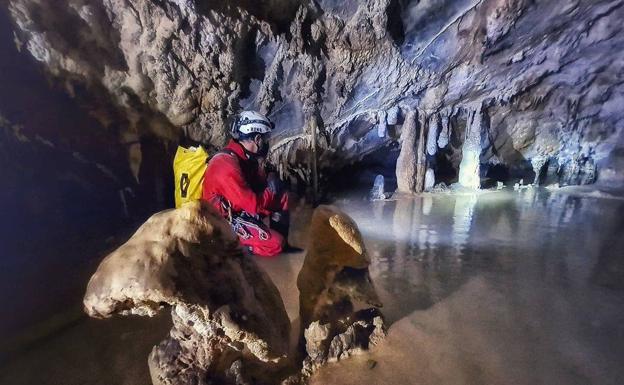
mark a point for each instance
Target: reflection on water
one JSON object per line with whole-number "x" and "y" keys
{"x": 542, "y": 271}
{"x": 499, "y": 287}
{"x": 462, "y": 220}
{"x": 424, "y": 247}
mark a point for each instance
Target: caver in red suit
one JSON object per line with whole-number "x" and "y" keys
{"x": 237, "y": 186}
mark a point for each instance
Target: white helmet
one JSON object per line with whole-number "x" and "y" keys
{"x": 249, "y": 122}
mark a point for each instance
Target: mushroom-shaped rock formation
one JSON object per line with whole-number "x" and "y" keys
{"x": 229, "y": 322}
{"x": 335, "y": 292}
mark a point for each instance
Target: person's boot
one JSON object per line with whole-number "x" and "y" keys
{"x": 280, "y": 222}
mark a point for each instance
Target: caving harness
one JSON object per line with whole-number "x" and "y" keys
{"x": 243, "y": 221}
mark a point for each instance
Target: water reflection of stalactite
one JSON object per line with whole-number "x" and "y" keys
{"x": 406, "y": 277}
{"x": 496, "y": 218}
{"x": 608, "y": 271}
{"x": 428, "y": 238}
{"x": 561, "y": 209}
{"x": 427, "y": 204}
{"x": 432, "y": 280}
{"x": 378, "y": 249}
{"x": 402, "y": 229}
{"x": 415, "y": 246}
{"x": 571, "y": 207}
{"x": 378, "y": 210}
{"x": 462, "y": 221}
{"x": 543, "y": 250}
{"x": 419, "y": 247}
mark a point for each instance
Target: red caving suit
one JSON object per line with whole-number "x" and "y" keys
{"x": 236, "y": 186}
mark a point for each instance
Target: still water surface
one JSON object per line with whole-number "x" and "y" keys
{"x": 500, "y": 287}
{"x": 494, "y": 288}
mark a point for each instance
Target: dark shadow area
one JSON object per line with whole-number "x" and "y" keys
{"x": 395, "y": 21}
{"x": 445, "y": 171}
{"x": 360, "y": 176}
{"x": 111, "y": 351}
{"x": 609, "y": 270}
{"x": 280, "y": 13}
{"x": 68, "y": 196}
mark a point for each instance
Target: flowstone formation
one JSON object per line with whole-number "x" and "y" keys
{"x": 338, "y": 305}
{"x": 229, "y": 322}
{"x": 544, "y": 79}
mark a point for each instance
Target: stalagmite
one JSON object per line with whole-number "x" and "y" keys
{"x": 538, "y": 163}
{"x": 229, "y": 322}
{"x": 378, "y": 190}
{"x": 406, "y": 162}
{"x": 429, "y": 179}
{"x": 469, "y": 167}
{"x": 334, "y": 281}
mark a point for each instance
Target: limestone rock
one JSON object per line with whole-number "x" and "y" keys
{"x": 429, "y": 179}
{"x": 548, "y": 74}
{"x": 378, "y": 190}
{"x": 226, "y": 312}
{"x": 408, "y": 157}
{"x": 333, "y": 282}
{"x": 367, "y": 329}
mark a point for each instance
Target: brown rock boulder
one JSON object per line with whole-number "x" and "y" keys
{"x": 229, "y": 321}
{"x": 333, "y": 283}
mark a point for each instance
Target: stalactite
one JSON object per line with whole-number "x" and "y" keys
{"x": 382, "y": 126}
{"x": 445, "y": 131}
{"x": 176, "y": 66}
{"x": 432, "y": 135}
{"x": 432, "y": 148}
{"x": 392, "y": 115}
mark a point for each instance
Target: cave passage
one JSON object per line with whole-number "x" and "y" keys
{"x": 465, "y": 157}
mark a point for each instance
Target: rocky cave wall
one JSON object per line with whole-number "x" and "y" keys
{"x": 67, "y": 190}
{"x": 535, "y": 84}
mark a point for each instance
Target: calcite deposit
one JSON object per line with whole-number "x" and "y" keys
{"x": 229, "y": 322}
{"x": 543, "y": 78}
{"x": 338, "y": 305}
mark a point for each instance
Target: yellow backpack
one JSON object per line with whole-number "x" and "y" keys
{"x": 189, "y": 165}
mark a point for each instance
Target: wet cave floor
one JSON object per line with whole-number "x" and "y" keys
{"x": 499, "y": 287}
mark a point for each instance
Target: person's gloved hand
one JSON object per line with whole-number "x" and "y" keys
{"x": 274, "y": 184}
{"x": 268, "y": 167}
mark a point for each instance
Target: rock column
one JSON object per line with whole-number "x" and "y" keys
{"x": 407, "y": 160}
{"x": 469, "y": 168}
{"x": 421, "y": 157}
{"x": 411, "y": 164}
